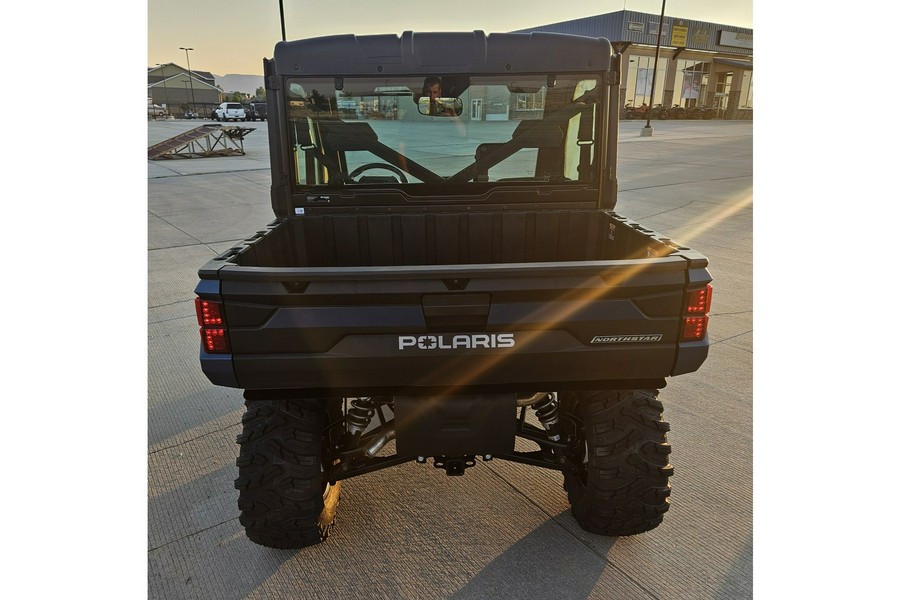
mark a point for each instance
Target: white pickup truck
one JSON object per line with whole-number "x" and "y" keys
{"x": 230, "y": 111}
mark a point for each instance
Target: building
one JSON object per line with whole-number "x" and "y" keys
{"x": 180, "y": 90}
{"x": 700, "y": 63}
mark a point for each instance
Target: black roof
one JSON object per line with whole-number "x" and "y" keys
{"x": 417, "y": 53}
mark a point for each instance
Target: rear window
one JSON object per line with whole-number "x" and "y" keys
{"x": 233, "y": 106}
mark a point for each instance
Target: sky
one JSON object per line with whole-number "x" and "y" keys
{"x": 233, "y": 36}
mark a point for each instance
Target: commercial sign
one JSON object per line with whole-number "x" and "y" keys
{"x": 679, "y": 34}
{"x": 700, "y": 37}
{"x": 738, "y": 40}
{"x": 654, "y": 29}
{"x": 635, "y": 26}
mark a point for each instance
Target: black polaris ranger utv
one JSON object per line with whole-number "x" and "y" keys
{"x": 445, "y": 274}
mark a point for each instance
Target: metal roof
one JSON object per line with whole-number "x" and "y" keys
{"x": 642, "y": 28}
{"x": 744, "y": 64}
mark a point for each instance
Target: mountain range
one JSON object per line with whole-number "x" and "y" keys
{"x": 247, "y": 84}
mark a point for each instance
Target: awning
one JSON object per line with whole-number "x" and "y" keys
{"x": 744, "y": 64}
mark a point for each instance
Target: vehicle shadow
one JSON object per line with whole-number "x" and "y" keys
{"x": 549, "y": 563}
{"x": 738, "y": 582}
{"x": 198, "y": 549}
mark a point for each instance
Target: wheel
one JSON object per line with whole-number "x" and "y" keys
{"x": 663, "y": 114}
{"x": 283, "y": 500}
{"x": 629, "y": 115}
{"x": 620, "y": 481}
{"x": 369, "y": 166}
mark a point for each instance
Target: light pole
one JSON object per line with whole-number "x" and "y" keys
{"x": 165, "y": 84}
{"x": 647, "y": 129}
{"x": 185, "y": 82}
{"x": 186, "y": 50}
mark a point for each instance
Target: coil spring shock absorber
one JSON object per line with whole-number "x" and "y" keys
{"x": 547, "y": 411}
{"x": 358, "y": 418}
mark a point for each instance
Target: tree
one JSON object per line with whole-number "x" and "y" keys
{"x": 261, "y": 94}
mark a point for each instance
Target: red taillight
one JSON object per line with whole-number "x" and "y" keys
{"x": 694, "y": 326}
{"x": 209, "y": 315}
{"x": 698, "y": 301}
{"x": 214, "y": 339}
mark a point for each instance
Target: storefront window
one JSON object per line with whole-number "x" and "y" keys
{"x": 691, "y": 82}
{"x": 640, "y": 79}
{"x": 530, "y": 101}
{"x": 747, "y": 91}
{"x": 723, "y": 89}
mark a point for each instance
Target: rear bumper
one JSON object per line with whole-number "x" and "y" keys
{"x": 550, "y": 361}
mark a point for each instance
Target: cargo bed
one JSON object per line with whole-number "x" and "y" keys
{"x": 449, "y": 238}
{"x": 412, "y": 303}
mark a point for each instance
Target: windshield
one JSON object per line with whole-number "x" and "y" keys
{"x": 377, "y": 131}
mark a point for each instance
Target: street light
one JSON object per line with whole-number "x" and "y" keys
{"x": 647, "y": 129}
{"x": 193, "y": 105}
{"x": 165, "y": 84}
{"x": 185, "y": 82}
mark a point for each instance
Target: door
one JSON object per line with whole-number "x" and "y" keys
{"x": 476, "y": 109}
{"x": 723, "y": 88}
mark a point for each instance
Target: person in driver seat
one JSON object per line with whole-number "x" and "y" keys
{"x": 431, "y": 89}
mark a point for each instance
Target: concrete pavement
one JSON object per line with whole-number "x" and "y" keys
{"x": 503, "y": 530}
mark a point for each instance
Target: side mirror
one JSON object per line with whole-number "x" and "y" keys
{"x": 440, "y": 107}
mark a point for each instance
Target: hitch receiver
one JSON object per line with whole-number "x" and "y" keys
{"x": 454, "y": 465}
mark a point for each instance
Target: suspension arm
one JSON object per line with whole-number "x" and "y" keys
{"x": 535, "y": 459}
{"x": 539, "y": 437}
{"x": 347, "y": 470}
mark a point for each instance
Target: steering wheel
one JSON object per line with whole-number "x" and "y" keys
{"x": 385, "y": 166}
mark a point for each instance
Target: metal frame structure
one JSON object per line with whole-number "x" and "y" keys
{"x": 202, "y": 142}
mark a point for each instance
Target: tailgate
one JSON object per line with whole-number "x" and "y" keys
{"x": 389, "y": 330}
